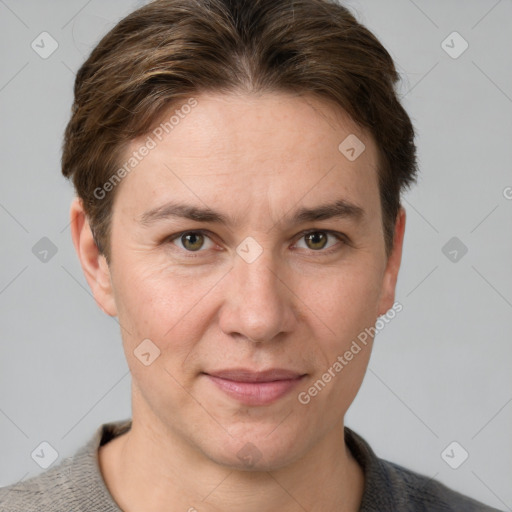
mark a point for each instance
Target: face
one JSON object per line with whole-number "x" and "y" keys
{"x": 254, "y": 300}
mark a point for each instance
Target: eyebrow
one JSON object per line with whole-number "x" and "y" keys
{"x": 341, "y": 209}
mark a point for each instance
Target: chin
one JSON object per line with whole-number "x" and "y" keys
{"x": 253, "y": 451}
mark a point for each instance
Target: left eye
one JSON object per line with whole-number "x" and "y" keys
{"x": 317, "y": 240}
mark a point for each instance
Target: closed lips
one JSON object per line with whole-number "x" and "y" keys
{"x": 243, "y": 375}
{"x": 255, "y": 388}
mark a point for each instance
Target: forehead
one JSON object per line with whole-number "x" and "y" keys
{"x": 234, "y": 150}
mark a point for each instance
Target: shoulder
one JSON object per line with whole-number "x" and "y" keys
{"x": 76, "y": 483}
{"x": 49, "y": 491}
{"x": 414, "y": 491}
{"x": 389, "y": 486}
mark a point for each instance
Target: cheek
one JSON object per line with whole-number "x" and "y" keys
{"x": 168, "y": 311}
{"x": 348, "y": 311}
{"x": 345, "y": 300}
{"x": 161, "y": 304}
{"x": 358, "y": 292}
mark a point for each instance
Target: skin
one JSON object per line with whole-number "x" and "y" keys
{"x": 297, "y": 306}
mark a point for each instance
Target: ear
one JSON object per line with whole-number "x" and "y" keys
{"x": 387, "y": 297}
{"x": 94, "y": 264}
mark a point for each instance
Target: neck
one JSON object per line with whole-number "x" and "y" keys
{"x": 151, "y": 469}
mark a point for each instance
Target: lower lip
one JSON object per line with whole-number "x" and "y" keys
{"x": 255, "y": 393}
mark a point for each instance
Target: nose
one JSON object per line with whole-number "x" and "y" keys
{"x": 259, "y": 305}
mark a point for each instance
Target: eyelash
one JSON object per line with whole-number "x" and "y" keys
{"x": 194, "y": 254}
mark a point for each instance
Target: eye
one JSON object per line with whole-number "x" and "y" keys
{"x": 317, "y": 240}
{"x": 191, "y": 241}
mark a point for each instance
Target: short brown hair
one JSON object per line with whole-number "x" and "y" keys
{"x": 168, "y": 50}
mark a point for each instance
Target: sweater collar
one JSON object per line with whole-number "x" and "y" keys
{"x": 377, "y": 494}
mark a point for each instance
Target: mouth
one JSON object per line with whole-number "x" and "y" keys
{"x": 253, "y": 387}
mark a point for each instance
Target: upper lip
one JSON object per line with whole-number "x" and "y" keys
{"x": 245, "y": 375}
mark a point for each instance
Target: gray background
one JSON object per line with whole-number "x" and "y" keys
{"x": 440, "y": 371}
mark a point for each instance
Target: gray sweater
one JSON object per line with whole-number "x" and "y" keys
{"x": 76, "y": 484}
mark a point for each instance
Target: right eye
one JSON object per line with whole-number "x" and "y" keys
{"x": 191, "y": 241}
